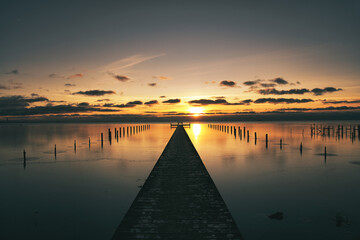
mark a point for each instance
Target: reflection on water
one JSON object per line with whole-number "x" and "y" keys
{"x": 84, "y": 192}
{"x": 196, "y": 128}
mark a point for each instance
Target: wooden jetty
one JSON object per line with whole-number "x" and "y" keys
{"x": 175, "y": 125}
{"x": 179, "y": 200}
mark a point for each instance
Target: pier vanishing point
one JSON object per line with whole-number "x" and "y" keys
{"x": 179, "y": 200}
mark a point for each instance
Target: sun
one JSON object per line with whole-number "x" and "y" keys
{"x": 196, "y": 111}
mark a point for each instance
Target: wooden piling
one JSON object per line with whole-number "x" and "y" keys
{"x": 248, "y": 136}
{"x": 55, "y": 151}
{"x": 75, "y": 145}
{"x": 24, "y": 154}
{"x": 102, "y": 140}
{"x": 280, "y": 143}
{"x": 301, "y": 148}
{"x": 266, "y": 140}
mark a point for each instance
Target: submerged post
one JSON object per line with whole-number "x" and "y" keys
{"x": 266, "y": 140}
{"x": 24, "y": 154}
{"x": 102, "y": 140}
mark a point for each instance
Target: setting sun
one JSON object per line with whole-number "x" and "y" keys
{"x": 196, "y": 111}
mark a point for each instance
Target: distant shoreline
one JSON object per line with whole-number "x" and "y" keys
{"x": 241, "y": 117}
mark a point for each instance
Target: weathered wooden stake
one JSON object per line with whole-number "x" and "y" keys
{"x": 266, "y": 140}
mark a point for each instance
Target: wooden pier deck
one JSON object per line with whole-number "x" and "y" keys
{"x": 179, "y": 200}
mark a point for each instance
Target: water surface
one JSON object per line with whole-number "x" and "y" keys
{"x": 83, "y": 193}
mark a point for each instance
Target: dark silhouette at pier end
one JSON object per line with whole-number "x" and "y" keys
{"x": 179, "y": 200}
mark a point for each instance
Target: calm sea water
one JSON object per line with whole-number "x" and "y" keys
{"x": 84, "y": 194}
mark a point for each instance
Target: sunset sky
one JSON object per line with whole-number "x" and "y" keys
{"x": 163, "y": 58}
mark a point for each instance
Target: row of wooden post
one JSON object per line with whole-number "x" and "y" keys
{"x": 326, "y": 130}
{"x": 225, "y": 128}
{"x": 118, "y": 133}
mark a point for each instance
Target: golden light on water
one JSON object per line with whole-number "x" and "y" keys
{"x": 196, "y": 128}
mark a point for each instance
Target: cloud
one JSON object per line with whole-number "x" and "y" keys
{"x": 321, "y": 109}
{"x": 227, "y": 83}
{"x": 119, "y": 105}
{"x": 34, "y": 95}
{"x": 11, "y": 102}
{"x": 273, "y": 91}
{"x": 84, "y": 104}
{"x": 252, "y": 83}
{"x": 69, "y": 85}
{"x": 162, "y": 78}
{"x": 207, "y": 102}
{"x": 128, "y": 62}
{"x": 268, "y": 85}
{"x": 121, "y": 78}
{"x": 152, "y": 84}
{"x": 339, "y": 102}
{"x": 103, "y": 100}
{"x": 321, "y": 91}
{"x": 37, "y": 99}
{"x": 172, "y": 101}
{"x": 76, "y": 75}
{"x": 3, "y": 87}
{"x": 152, "y": 102}
{"x": 94, "y": 92}
{"x": 280, "y": 81}
{"x": 13, "y": 85}
{"x": 162, "y": 96}
{"x": 135, "y": 103}
{"x": 13, "y": 72}
{"x": 54, "y": 75}
{"x": 283, "y": 100}
{"x": 220, "y": 101}
{"x": 50, "y": 109}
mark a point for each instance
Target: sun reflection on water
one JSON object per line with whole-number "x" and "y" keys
{"x": 196, "y": 128}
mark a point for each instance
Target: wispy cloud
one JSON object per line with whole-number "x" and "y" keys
{"x": 76, "y": 75}
{"x": 121, "y": 78}
{"x": 13, "y": 72}
{"x": 152, "y": 84}
{"x": 128, "y": 62}
{"x": 162, "y": 77}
